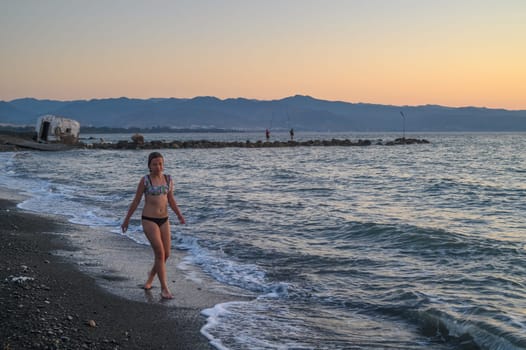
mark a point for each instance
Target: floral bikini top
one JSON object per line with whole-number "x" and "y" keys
{"x": 152, "y": 190}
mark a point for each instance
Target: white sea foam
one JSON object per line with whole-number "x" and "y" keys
{"x": 213, "y": 316}
{"x": 224, "y": 270}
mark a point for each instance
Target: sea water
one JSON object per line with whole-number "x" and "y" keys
{"x": 378, "y": 247}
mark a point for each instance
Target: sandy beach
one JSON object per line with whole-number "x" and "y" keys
{"x": 46, "y": 303}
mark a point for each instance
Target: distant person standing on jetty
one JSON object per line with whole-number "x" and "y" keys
{"x": 291, "y": 132}
{"x": 158, "y": 194}
{"x": 267, "y": 134}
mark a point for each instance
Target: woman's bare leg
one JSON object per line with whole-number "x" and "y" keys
{"x": 167, "y": 246}
{"x": 153, "y": 233}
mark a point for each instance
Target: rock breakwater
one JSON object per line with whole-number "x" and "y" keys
{"x": 249, "y": 144}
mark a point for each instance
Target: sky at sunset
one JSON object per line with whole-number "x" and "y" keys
{"x": 400, "y": 52}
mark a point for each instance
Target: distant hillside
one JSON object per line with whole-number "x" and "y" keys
{"x": 299, "y": 112}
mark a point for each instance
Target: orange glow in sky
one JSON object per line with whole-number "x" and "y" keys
{"x": 400, "y": 52}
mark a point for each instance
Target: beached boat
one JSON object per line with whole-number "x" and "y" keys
{"x": 51, "y": 128}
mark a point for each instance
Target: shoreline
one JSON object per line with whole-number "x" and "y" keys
{"x": 50, "y": 304}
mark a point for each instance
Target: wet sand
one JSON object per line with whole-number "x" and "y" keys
{"x": 47, "y": 303}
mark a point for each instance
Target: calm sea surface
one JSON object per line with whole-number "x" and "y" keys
{"x": 404, "y": 247}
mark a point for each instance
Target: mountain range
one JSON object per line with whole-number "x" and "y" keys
{"x": 298, "y": 112}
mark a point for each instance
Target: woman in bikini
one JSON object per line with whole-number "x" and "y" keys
{"x": 158, "y": 194}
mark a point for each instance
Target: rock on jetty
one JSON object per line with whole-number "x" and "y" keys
{"x": 248, "y": 144}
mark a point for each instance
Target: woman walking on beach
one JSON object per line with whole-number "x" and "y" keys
{"x": 158, "y": 194}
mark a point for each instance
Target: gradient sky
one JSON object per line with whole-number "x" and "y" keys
{"x": 400, "y": 52}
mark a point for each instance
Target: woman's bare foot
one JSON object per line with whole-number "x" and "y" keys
{"x": 149, "y": 281}
{"x": 165, "y": 294}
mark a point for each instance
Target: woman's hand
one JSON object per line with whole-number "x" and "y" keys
{"x": 182, "y": 220}
{"x": 124, "y": 225}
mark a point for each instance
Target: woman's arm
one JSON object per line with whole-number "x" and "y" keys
{"x": 173, "y": 204}
{"x": 133, "y": 206}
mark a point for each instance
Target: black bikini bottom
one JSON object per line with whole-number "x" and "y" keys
{"x": 158, "y": 221}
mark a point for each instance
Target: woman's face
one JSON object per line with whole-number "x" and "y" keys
{"x": 157, "y": 165}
